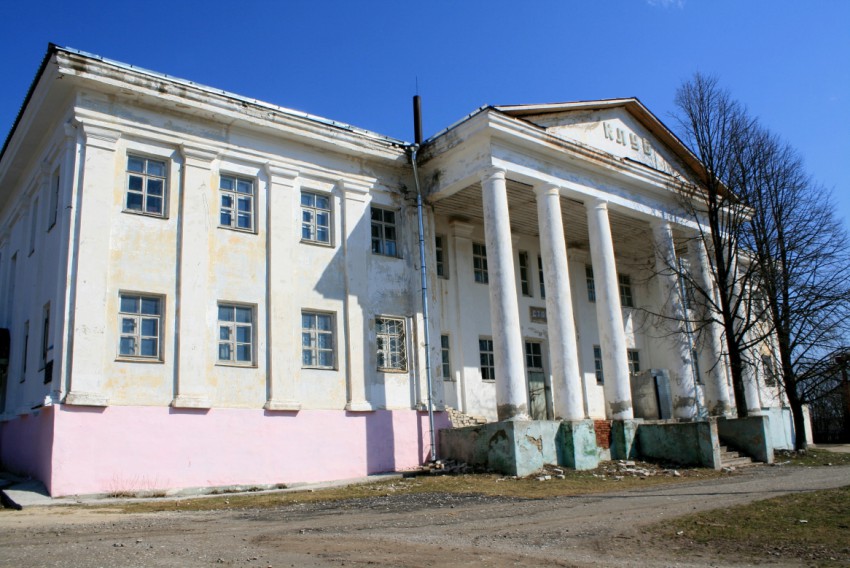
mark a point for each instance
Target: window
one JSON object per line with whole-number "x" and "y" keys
{"x": 45, "y": 333}
{"x": 533, "y": 355}
{"x": 54, "y": 201}
{"x": 440, "y": 253}
{"x": 591, "y": 286}
{"x": 540, "y": 275}
{"x": 315, "y": 218}
{"x": 695, "y": 363}
{"x": 769, "y": 371}
{"x": 384, "y": 232}
{"x": 140, "y": 322}
{"x": 317, "y": 340}
{"x": 33, "y": 225}
{"x": 524, "y": 282}
{"x": 479, "y": 263}
{"x": 445, "y": 370}
{"x": 625, "y": 291}
{"x": 597, "y": 365}
{"x": 145, "y": 186}
{"x": 235, "y": 334}
{"x": 634, "y": 361}
{"x": 391, "y": 347}
{"x": 26, "y": 349}
{"x": 237, "y": 202}
{"x": 488, "y": 359}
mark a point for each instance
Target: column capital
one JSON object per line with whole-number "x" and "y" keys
{"x": 197, "y": 156}
{"x": 99, "y": 136}
{"x": 596, "y": 203}
{"x": 493, "y": 172}
{"x": 461, "y": 228}
{"x": 280, "y": 174}
{"x": 547, "y": 188}
{"x": 657, "y": 223}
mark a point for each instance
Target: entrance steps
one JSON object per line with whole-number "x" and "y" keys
{"x": 733, "y": 458}
{"x": 459, "y": 419}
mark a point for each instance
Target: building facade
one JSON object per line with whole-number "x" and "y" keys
{"x": 202, "y": 289}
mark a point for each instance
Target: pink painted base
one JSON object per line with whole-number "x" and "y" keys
{"x": 117, "y": 449}
{"x": 26, "y": 442}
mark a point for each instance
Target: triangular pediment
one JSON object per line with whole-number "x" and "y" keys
{"x": 621, "y": 127}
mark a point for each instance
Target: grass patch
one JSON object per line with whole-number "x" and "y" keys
{"x": 811, "y": 457}
{"x": 813, "y": 527}
{"x": 574, "y": 483}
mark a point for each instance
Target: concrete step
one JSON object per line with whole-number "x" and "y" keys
{"x": 733, "y": 458}
{"x": 459, "y": 419}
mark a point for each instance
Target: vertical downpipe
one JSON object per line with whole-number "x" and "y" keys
{"x": 417, "y": 128}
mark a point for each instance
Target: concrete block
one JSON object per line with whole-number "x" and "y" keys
{"x": 623, "y": 433}
{"x": 751, "y": 435}
{"x": 577, "y": 445}
{"x": 686, "y": 443}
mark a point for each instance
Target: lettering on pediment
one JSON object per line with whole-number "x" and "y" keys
{"x": 626, "y": 138}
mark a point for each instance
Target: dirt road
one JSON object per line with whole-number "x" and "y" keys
{"x": 417, "y": 530}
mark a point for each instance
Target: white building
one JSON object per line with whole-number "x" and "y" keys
{"x": 203, "y": 289}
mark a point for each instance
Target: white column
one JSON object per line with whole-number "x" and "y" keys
{"x": 284, "y": 317}
{"x": 196, "y": 306}
{"x": 563, "y": 352}
{"x": 356, "y": 248}
{"x": 463, "y": 343}
{"x": 511, "y": 392}
{"x": 716, "y": 389}
{"x": 673, "y": 310}
{"x": 612, "y": 337}
{"x": 94, "y": 217}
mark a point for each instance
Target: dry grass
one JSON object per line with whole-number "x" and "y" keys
{"x": 812, "y": 527}
{"x": 812, "y": 457}
{"x": 574, "y": 483}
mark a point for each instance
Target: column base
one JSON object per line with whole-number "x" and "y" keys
{"x": 78, "y": 398}
{"x": 577, "y": 445}
{"x": 282, "y": 405}
{"x": 191, "y": 401}
{"x": 359, "y": 406}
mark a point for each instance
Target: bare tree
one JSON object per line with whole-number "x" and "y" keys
{"x": 803, "y": 264}
{"x": 718, "y": 130}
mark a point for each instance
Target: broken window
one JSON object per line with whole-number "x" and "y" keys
{"x": 769, "y": 371}
{"x": 479, "y": 263}
{"x": 487, "y": 358}
{"x": 634, "y": 361}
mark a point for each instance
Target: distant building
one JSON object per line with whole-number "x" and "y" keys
{"x": 203, "y": 289}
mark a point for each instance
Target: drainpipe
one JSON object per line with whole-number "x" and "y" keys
{"x": 423, "y": 273}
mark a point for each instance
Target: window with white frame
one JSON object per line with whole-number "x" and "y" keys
{"x": 445, "y": 368}
{"x": 524, "y": 282}
{"x": 487, "y": 358}
{"x": 54, "y": 200}
{"x": 540, "y": 275}
{"x": 317, "y": 340}
{"x": 392, "y": 352}
{"x": 591, "y": 285}
{"x": 634, "y": 361}
{"x": 384, "y": 235}
{"x": 33, "y": 225}
{"x": 440, "y": 253}
{"x": 140, "y": 321}
{"x": 145, "y": 186}
{"x": 597, "y": 365}
{"x": 235, "y": 334}
{"x": 315, "y": 218}
{"x": 237, "y": 202}
{"x": 479, "y": 263}
{"x": 626, "y": 298}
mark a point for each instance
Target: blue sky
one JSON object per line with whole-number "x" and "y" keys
{"x": 359, "y": 61}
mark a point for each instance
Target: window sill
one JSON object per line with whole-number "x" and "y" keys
{"x": 393, "y": 371}
{"x": 238, "y": 230}
{"x": 126, "y": 359}
{"x": 251, "y": 365}
{"x": 317, "y": 243}
{"x": 386, "y": 255}
{"x": 145, "y": 214}
{"x": 320, "y": 368}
